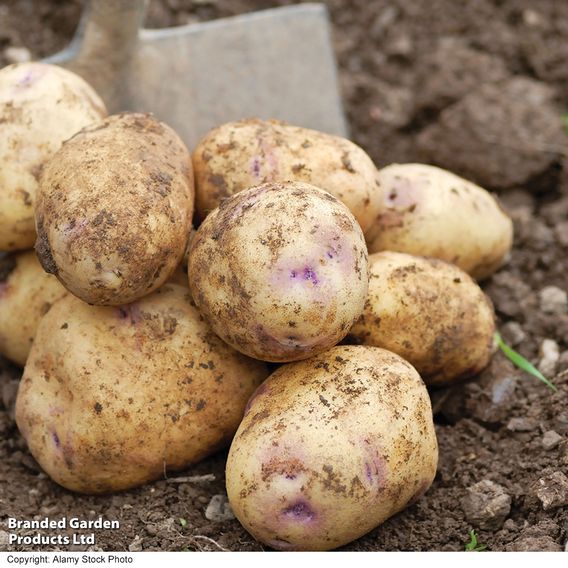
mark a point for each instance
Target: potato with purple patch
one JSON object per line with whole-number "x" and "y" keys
{"x": 331, "y": 447}
{"x": 114, "y": 209}
{"x": 280, "y": 271}
{"x": 41, "y": 106}
{"x": 239, "y": 155}
{"x": 114, "y": 397}
{"x": 432, "y": 212}
{"x": 26, "y": 295}
{"x": 429, "y": 312}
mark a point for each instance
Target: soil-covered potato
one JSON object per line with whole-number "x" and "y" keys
{"x": 40, "y": 107}
{"x": 331, "y": 447}
{"x": 429, "y": 312}
{"x": 114, "y": 209}
{"x": 112, "y": 397}
{"x": 280, "y": 271}
{"x": 432, "y": 212}
{"x": 26, "y": 295}
{"x": 239, "y": 155}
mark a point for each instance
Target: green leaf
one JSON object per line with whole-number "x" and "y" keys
{"x": 472, "y": 545}
{"x": 565, "y": 122}
{"x": 518, "y": 360}
{"x": 183, "y": 523}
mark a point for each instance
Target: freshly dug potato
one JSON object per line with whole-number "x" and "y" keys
{"x": 40, "y": 107}
{"x": 112, "y": 397}
{"x": 280, "y": 271}
{"x": 114, "y": 209}
{"x": 331, "y": 447}
{"x": 239, "y": 155}
{"x": 432, "y": 212}
{"x": 26, "y": 295}
{"x": 429, "y": 312}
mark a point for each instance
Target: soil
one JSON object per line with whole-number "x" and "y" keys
{"x": 478, "y": 87}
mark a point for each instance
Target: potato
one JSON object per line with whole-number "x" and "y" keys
{"x": 432, "y": 212}
{"x": 26, "y": 295}
{"x": 114, "y": 209}
{"x": 280, "y": 271}
{"x": 239, "y": 155}
{"x": 331, "y": 447}
{"x": 113, "y": 397}
{"x": 429, "y": 312}
{"x": 40, "y": 107}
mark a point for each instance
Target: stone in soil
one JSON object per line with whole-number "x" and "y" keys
{"x": 522, "y": 424}
{"x": 540, "y": 537}
{"x": 553, "y": 300}
{"x": 500, "y": 135}
{"x": 551, "y": 439}
{"x": 534, "y": 544}
{"x": 552, "y": 490}
{"x": 486, "y": 505}
{"x": 549, "y": 356}
{"x": 219, "y": 509}
{"x": 136, "y": 544}
{"x": 513, "y": 333}
{"x": 17, "y": 55}
{"x": 489, "y": 398}
{"x": 452, "y": 70}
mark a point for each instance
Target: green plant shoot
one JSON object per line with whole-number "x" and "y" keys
{"x": 518, "y": 360}
{"x": 473, "y": 545}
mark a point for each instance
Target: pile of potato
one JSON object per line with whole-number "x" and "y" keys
{"x": 132, "y": 370}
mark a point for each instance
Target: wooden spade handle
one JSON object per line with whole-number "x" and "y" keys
{"x": 104, "y": 43}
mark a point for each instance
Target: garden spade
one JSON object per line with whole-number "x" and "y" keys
{"x": 276, "y": 63}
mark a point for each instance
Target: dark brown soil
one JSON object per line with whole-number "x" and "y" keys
{"x": 478, "y": 87}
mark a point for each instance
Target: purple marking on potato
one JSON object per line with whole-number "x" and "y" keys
{"x": 280, "y": 544}
{"x": 290, "y": 476}
{"x": 310, "y": 274}
{"x": 327, "y": 245}
{"x": 131, "y": 312}
{"x": 255, "y": 167}
{"x": 258, "y": 392}
{"x": 299, "y": 511}
{"x": 375, "y": 465}
{"x": 56, "y": 440}
{"x": 29, "y": 78}
{"x": 368, "y": 472}
{"x": 270, "y": 160}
